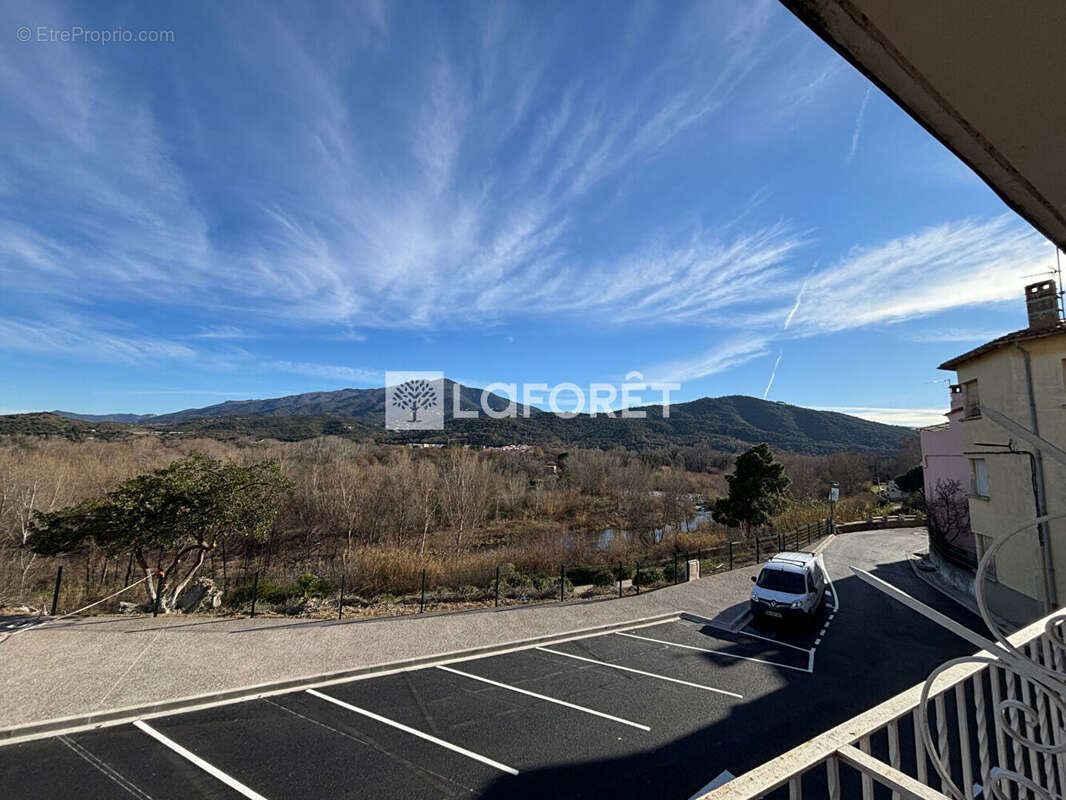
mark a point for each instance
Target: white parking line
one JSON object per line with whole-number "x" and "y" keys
{"x": 833, "y": 589}
{"x": 775, "y": 641}
{"x": 716, "y": 652}
{"x": 697, "y": 619}
{"x": 642, "y": 672}
{"x": 414, "y": 732}
{"x": 211, "y": 770}
{"x": 546, "y": 698}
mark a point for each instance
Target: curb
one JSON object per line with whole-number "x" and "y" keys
{"x": 120, "y": 716}
{"x": 959, "y": 599}
{"x": 828, "y": 540}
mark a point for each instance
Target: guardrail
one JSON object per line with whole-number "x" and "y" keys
{"x": 984, "y": 713}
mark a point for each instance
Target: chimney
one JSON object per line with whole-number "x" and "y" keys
{"x": 956, "y": 396}
{"x": 1042, "y": 303}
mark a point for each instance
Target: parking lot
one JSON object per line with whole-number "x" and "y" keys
{"x": 662, "y": 708}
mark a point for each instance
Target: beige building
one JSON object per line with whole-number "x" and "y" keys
{"x": 1012, "y": 387}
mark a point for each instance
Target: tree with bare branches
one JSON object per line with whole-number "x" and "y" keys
{"x": 179, "y": 513}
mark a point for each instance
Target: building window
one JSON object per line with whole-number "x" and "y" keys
{"x": 979, "y": 477}
{"x": 971, "y": 401}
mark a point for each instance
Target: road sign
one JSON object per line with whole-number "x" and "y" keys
{"x": 834, "y": 494}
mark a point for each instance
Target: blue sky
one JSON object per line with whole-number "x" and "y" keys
{"x": 299, "y": 197}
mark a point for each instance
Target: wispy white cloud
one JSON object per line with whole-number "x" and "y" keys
{"x": 907, "y": 417}
{"x": 224, "y": 332}
{"x": 71, "y": 336}
{"x": 473, "y": 206}
{"x": 467, "y": 213}
{"x": 939, "y": 268}
{"x": 953, "y": 334}
{"x": 858, "y": 125}
{"x": 717, "y": 359}
{"x": 773, "y": 373}
{"x": 335, "y": 372}
{"x": 796, "y": 305}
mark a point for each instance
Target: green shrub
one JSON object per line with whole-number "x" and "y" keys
{"x": 545, "y": 587}
{"x": 604, "y": 577}
{"x": 266, "y": 592}
{"x": 649, "y": 576}
{"x": 312, "y": 585}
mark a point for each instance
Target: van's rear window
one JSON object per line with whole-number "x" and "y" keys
{"x": 778, "y": 580}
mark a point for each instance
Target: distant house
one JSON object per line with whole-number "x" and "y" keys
{"x": 1013, "y": 429}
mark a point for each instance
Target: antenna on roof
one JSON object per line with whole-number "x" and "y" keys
{"x": 1056, "y": 272}
{"x": 1058, "y": 278}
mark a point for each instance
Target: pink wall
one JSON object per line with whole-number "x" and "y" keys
{"x": 942, "y": 457}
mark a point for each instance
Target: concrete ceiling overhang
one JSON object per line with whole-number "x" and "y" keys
{"x": 985, "y": 77}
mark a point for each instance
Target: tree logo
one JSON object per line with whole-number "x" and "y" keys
{"x": 414, "y": 401}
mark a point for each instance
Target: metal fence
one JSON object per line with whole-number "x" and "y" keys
{"x": 327, "y": 588}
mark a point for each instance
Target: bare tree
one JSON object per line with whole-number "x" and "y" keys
{"x": 466, "y": 491}
{"x": 948, "y": 511}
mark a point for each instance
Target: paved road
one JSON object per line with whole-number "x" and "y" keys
{"x": 654, "y": 710}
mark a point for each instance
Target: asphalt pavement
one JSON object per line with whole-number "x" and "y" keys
{"x": 662, "y": 708}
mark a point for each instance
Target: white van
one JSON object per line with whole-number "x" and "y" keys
{"x": 790, "y": 585}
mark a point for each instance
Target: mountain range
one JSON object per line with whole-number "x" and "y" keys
{"x": 727, "y": 423}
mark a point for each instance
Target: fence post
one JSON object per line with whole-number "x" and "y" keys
{"x": 496, "y": 602}
{"x": 619, "y": 578}
{"x": 55, "y": 594}
{"x": 562, "y": 582}
{"x": 780, "y": 541}
{"x": 757, "y": 548}
{"x": 255, "y": 591}
{"x": 340, "y": 599}
{"x": 159, "y": 593}
{"x": 422, "y": 598}
{"x": 675, "y": 567}
{"x": 636, "y": 577}
{"x": 730, "y": 555}
{"x": 688, "y": 567}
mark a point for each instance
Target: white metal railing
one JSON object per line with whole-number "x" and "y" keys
{"x": 991, "y": 725}
{"x": 964, "y": 697}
